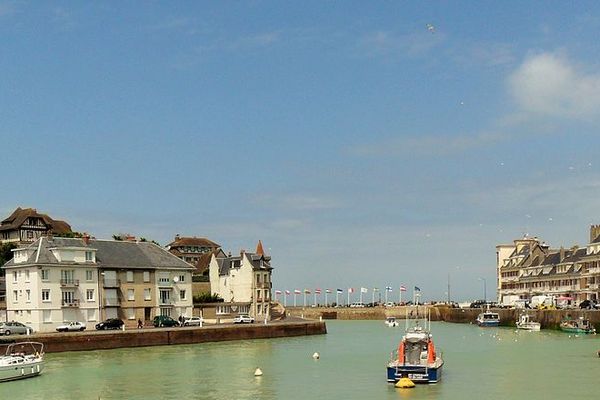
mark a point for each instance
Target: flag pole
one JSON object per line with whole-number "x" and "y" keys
{"x": 348, "y": 302}
{"x": 337, "y": 295}
{"x": 373, "y": 297}
{"x": 294, "y": 298}
{"x": 304, "y": 297}
{"x": 285, "y": 299}
{"x": 326, "y": 303}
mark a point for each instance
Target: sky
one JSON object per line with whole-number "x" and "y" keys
{"x": 366, "y": 144}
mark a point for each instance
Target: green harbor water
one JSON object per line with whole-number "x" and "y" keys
{"x": 480, "y": 363}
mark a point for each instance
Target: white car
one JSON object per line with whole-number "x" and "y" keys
{"x": 243, "y": 319}
{"x": 357, "y": 305}
{"x": 74, "y": 326}
{"x": 192, "y": 321}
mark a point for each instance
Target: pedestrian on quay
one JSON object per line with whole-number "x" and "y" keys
{"x": 140, "y": 323}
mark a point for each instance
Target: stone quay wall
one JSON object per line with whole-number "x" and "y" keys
{"x": 549, "y": 319}
{"x": 96, "y": 340}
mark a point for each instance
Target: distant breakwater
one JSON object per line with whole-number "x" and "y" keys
{"x": 549, "y": 319}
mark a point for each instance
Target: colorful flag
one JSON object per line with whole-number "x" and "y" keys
{"x": 327, "y": 290}
{"x": 307, "y": 291}
{"x": 278, "y": 292}
{"x": 339, "y": 291}
{"x": 417, "y": 289}
{"x": 388, "y": 288}
{"x": 402, "y": 288}
{"x": 287, "y": 292}
{"x": 375, "y": 289}
{"x": 364, "y": 290}
{"x": 350, "y": 290}
{"x": 297, "y": 291}
{"x": 317, "y": 291}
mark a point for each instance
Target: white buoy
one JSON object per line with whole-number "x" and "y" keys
{"x": 316, "y": 355}
{"x": 258, "y": 372}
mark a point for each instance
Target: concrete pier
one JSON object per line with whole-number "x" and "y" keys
{"x": 95, "y": 340}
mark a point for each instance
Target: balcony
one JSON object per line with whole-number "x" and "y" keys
{"x": 70, "y": 303}
{"x": 264, "y": 285}
{"x": 165, "y": 302}
{"x": 112, "y": 302}
{"x": 165, "y": 283}
{"x": 111, "y": 283}
{"x": 69, "y": 282}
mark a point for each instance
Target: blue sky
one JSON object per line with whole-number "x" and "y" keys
{"x": 361, "y": 147}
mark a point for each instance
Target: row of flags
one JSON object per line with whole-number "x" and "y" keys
{"x": 350, "y": 290}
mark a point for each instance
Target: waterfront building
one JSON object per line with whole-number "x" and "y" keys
{"x": 66, "y": 279}
{"x": 193, "y": 250}
{"x": 243, "y": 282}
{"x": 529, "y": 267}
{"x": 26, "y": 225}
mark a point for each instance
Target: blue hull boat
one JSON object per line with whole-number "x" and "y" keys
{"x": 416, "y": 357}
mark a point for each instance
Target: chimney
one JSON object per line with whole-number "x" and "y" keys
{"x": 594, "y": 232}
{"x": 177, "y": 237}
{"x": 562, "y": 253}
{"x": 86, "y": 239}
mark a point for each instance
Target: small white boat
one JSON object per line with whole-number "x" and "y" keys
{"x": 22, "y": 360}
{"x": 524, "y": 322}
{"x": 391, "y": 322}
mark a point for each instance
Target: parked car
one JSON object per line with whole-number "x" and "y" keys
{"x": 72, "y": 326}
{"x": 390, "y": 304}
{"x": 192, "y": 321}
{"x": 164, "y": 320}
{"x": 357, "y": 305}
{"x": 8, "y": 328}
{"x": 589, "y": 304}
{"x": 243, "y": 319}
{"x": 111, "y": 323}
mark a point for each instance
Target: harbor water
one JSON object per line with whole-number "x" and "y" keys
{"x": 480, "y": 363}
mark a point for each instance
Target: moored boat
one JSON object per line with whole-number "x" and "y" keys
{"x": 391, "y": 322}
{"x": 580, "y": 325}
{"x": 416, "y": 357}
{"x": 524, "y": 322}
{"x": 22, "y": 360}
{"x": 488, "y": 318}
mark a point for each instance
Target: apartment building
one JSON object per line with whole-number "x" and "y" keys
{"x": 65, "y": 279}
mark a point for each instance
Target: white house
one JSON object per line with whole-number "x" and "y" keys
{"x": 243, "y": 282}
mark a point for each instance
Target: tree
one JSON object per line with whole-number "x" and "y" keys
{"x": 5, "y": 252}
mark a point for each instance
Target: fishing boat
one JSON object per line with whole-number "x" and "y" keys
{"x": 22, "y": 360}
{"x": 488, "y": 318}
{"x": 416, "y": 357}
{"x": 580, "y": 325}
{"x": 524, "y": 322}
{"x": 391, "y": 322}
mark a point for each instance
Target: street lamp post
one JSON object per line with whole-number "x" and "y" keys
{"x": 484, "y": 289}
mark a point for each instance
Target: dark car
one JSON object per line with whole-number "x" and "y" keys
{"x": 164, "y": 320}
{"x": 478, "y": 304}
{"x": 588, "y": 304}
{"x": 111, "y": 323}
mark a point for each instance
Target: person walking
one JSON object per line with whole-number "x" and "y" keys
{"x": 140, "y": 323}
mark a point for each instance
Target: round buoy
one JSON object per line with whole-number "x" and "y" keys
{"x": 316, "y": 356}
{"x": 258, "y": 372}
{"x": 405, "y": 383}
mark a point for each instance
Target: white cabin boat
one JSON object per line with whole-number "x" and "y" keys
{"x": 392, "y": 322}
{"x": 22, "y": 360}
{"x": 524, "y": 322}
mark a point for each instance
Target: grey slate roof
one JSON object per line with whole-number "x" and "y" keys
{"x": 110, "y": 254}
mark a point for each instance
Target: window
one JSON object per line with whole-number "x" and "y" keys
{"x": 181, "y": 278}
{"x": 15, "y": 276}
{"x": 129, "y": 276}
{"x": 15, "y": 296}
{"x": 130, "y": 294}
{"x": 47, "y": 316}
{"x": 146, "y": 276}
{"x": 29, "y": 234}
{"x": 45, "y": 274}
{"x": 89, "y": 294}
{"x": 147, "y": 294}
{"x": 68, "y": 297}
{"x": 26, "y": 275}
{"x": 130, "y": 313}
{"x": 89, "y": 275}
{"x": 257, "y": 278}
{"x": 89, "y": 256}
{"x": 45, "y": 294}
{"x": 28, "y": 295}
{"x": 182, "y": 294}
{"x": 66, "y": 276}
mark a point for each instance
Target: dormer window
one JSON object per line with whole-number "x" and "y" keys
{"x": 89, "y": 256}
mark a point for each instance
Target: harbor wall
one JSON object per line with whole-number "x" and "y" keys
{"x": 549, "y": 319}
{"x": 96, "y": 340}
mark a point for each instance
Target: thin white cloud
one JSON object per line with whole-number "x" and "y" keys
{"x": 550, "y": 85}
{"x": 388, "y": 44}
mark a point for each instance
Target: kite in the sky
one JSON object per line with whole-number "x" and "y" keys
{"x": 431, "y": 28}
